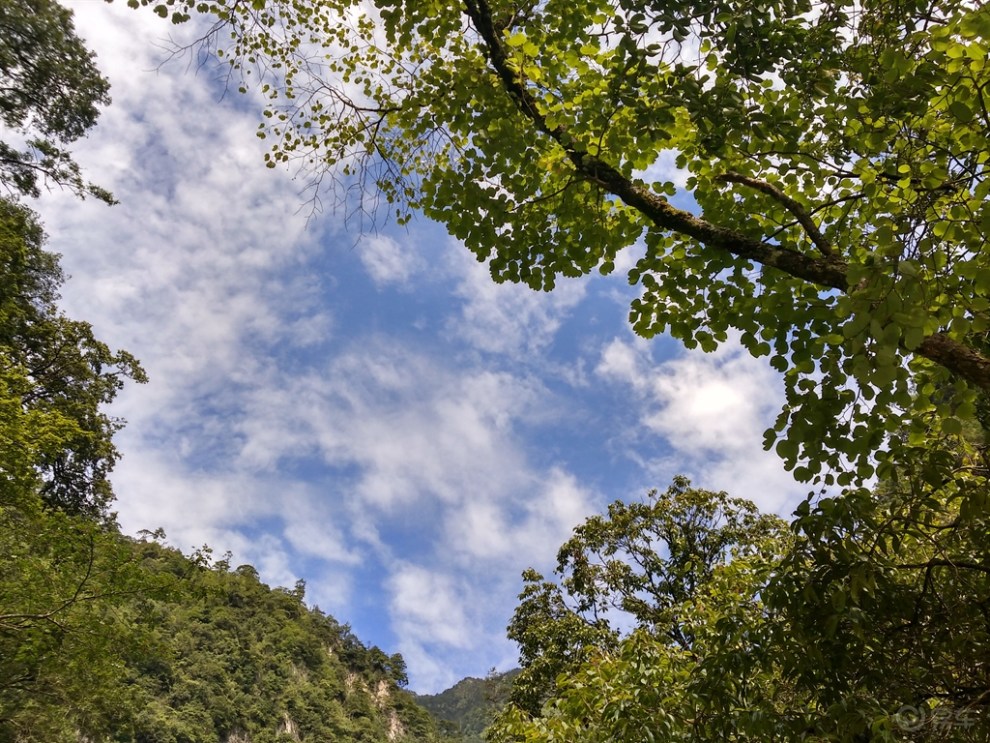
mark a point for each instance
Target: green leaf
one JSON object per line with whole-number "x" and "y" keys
{"x": 961, "y": 111}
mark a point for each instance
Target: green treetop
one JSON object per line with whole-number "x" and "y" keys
{"x": 58, "y": 377}
{"x": 654, "y": 628}
{"x": 692, "y": 617}
{"x": 50, "y": 91}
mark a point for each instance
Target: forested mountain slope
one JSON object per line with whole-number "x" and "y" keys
{"x": 468, "y": 707}
{"x": 204, "y": 654}
{"x": 239, "y": 661}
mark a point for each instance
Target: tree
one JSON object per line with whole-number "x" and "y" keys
{"x": 50, "y": 91}
{"x": 841, "y": 197}
{"x": 66, "y": 571}
{"x": 70, "y": 617}
{"x": 707, "y": 621}
{"x": 68, "y": 580}
{"x": 641, "y": 565}
{"x": 882, "y": 605}
{"x": 674, "y": 645}
{"x": 56, "y": 370}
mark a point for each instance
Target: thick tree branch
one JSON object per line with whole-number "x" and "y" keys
{"x": 828, "y": 272}
{"x": 958, "y": 358}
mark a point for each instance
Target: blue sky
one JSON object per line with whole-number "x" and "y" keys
{"x": 367, "y": 411}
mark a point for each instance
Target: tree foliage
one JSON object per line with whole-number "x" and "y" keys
{"x": 668, "y": 592}
{"x": 70, "y": 620}
{"x": 58, "y": 376}
{"x": 841, "y": 197}
{"x": 883, "y": 605}
{"x": 640, "y": 566}
{"x": 185, "y": 651}
{"x": 731, "y": 628}
{"x": 65, "y": 571}
{"x": 50, "y": 93}
{"x": 66, "y": 574}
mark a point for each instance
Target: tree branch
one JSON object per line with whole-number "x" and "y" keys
{"x": 938, "y": 562}
{"x": 828, "y": 273}
{"x": 799, "y": 212}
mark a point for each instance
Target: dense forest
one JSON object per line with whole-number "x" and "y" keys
{"x": 191, "y": 650}
{"x": 469, "y": 707}
{"x": 838, "y": 156}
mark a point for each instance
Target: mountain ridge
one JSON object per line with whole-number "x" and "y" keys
{"x": 466, "y": 708}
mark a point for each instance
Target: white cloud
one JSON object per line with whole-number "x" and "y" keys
{"x": 726, "y": 396}
{"x": 443, "y": 615}
{"x": 625, "y": 260}
{"x": 480, "y": 528}
{"x": 427, "y": 607}
{"x": 511, "y": 526}
{"x": 386, "y": 261}
{"x": 622, "y": 361}
{"x": 712, "y": 409}
{"x": 195, "y": 508}
{"x": 313, "y": 528}
{"x": 664, "y": 169}
{"x": 416, "y": 429}
{"x": 435, "y": 459}
{"x": 509, "y": 319}
{"x": 561, "y": 505}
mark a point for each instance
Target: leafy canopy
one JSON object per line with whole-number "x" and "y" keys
{"x": 881, "y": 605}
{"x": 841, "y": 196}
{"x": 654, "y": 628}
{"x": 57, "y": 378}
{"x": 50, "y": 91}
{"x": 66, "y": 571}
{"x": 691, "y": 617}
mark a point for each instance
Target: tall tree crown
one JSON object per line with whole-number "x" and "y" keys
{"x": 57, "y": 378}
{"x": 50, "y": 94}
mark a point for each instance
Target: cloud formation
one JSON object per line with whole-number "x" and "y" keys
{"x": 386, "y": 261}
{"x": 712, "y": 409}
{"x": 368, "y": 412}
{"x": 508, "y": 319}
